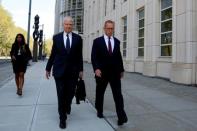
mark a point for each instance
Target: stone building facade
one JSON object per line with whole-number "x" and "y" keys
{"x": 73, "y": 8}
{"x": 158, "y": 37}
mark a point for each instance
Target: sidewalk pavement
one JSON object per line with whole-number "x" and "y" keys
{"x": 36, "y": 110}
{"x": 4, "y": 60}
{"x": 151, "y": 104}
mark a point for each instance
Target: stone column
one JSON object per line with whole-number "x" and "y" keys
{"x": 152, "y": 35}
{"x": 184, "y": 42}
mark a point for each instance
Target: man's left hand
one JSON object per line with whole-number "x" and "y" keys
{"x": 121, "y": 74}
{"x": 81, "y": 74}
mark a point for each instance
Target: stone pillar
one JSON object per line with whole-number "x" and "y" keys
{"x": 152, "y": 35}
{"x": 129, "y": 61}
{"x": 184, "y": 42}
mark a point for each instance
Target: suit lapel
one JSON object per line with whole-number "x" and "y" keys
{"x": 73, "y": 41}
{"x": 115, "y": 45}
{"x": 61, "y": 41}
{"x": 104, "y": 45}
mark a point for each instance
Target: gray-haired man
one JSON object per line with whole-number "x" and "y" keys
{"x": 67, "y": 61}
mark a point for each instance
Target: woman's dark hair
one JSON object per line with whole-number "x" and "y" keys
{"x": 23, "y": 38}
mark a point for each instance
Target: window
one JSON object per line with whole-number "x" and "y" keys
{"x": 63, "y": 4}
{"x": 166, "y": 27}
{"x": 69, "y": 4}
{"x": 105, "y": 7}
{"x": 124, "y": 36}
{"x": 114, "y": 4}
{"x": 79, "y": 24}
{"x": 141, "y": 32}
{"x": 79, "y": 4}
{"x": 74, "y": 4}
{"x": 74, "y": 8}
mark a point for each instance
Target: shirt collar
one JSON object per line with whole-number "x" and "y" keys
{"x": 107, "y": 37}
{"x": 70, "y": 34}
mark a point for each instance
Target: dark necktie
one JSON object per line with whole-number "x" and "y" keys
{"x": 67, "y": 43}
{"x": 109, "y": 47}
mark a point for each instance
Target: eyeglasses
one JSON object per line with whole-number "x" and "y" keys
{"x": 109, "y": 28}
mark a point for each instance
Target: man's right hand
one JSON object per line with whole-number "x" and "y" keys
{"x": 48, "y": 74}
{"x": 13, "y": 58}
{"x": 98, "y": 72}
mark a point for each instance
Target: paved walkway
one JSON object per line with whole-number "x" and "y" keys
{"x": 36, "y": 110}
{"x": 151, "y": 104}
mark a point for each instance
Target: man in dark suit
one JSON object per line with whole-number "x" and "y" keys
{"x": 108, "y": 67}
{"x": 66, "y": 59}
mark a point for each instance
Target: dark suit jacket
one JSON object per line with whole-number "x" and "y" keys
{"x": 102, "y": 60}
{"x": 25, "y": 52}
{"x": 62, "y": 61}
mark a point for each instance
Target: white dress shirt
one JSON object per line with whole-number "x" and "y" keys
{"x": 65, "y": 38}
{"x": 111, "y": 40}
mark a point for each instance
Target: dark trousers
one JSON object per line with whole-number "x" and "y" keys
{"x": 65, "y": 92}
{"x": 115, "y": 83}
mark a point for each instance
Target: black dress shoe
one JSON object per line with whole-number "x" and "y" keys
{"x": 68, "y": 110}
{"x": 62, "y": 124}
{"x": 77, "y": 101}
{"x": 100, "y": 115}
{"x": 121, "y": 122}
{"x": 19, "y": 92}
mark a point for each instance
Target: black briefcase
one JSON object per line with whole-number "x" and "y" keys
{"x": 80, "y": 92}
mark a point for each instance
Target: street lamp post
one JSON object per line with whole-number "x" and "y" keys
{"x": 44, "y": 45}
{"x": 35, "y": 36}
{"x": 29, "y": 22}
{"x": 40, "y": 43}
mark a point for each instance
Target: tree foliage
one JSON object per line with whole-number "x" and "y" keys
{"x": 48, "y": 46}
{"x": 8, "y": 31}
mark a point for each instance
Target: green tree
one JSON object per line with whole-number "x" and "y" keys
{"x": 8, "y": 31}
{"x": 6, "y": 26}
{"x": 48, "y": 46}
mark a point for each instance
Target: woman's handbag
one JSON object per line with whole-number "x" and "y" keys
{"x": 80, "y": 92}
